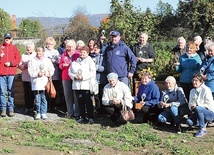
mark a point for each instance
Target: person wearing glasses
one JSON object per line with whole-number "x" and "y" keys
{"x": 9, "y": 60}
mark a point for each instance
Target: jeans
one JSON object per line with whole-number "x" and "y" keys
{"x": 200, "y": 117}
{"x": 124, "y": 80}
{"x": 169, "y": 114}
{"x": 7, "y": 91}
{"x": 41, "y": 102}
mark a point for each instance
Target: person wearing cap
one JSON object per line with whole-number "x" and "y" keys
{"x": 9, "y": 60}
{"x": 62, "y": 46}
{"x": 119, "y": 58}
{"x": 201, "y": 104}
{"x": 173, "y": 102}
{"x": 115, "y": 94}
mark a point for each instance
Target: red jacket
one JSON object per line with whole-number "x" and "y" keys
{"x": 64, "y": 56}
{"x": 9, "y": 53}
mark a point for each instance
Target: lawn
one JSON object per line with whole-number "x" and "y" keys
{"x": 64, "y": 136}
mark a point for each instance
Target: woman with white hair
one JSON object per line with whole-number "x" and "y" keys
{"x": 207, "y": 68}
{"x": 68, "y": 56}
{"x": 23, "y": 66}
{"x": 200, "y": 46}
{"x": 172, "y": 99}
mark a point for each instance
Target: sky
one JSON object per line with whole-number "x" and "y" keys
{"x": 66, "y": 8}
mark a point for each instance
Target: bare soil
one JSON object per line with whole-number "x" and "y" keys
{"x": 162, "y": 131}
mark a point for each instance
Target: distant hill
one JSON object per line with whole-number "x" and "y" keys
{"x": 53, "y": 22}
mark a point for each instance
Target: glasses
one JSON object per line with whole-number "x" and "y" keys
{"x": 7, "y": 38}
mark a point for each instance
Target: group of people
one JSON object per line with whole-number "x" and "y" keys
{"x": 112, "y": 65}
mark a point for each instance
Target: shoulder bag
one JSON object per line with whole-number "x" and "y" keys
{"x": 50, "y": 89}
{"x": 127, "y": 114}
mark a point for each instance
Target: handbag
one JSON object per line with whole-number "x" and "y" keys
{"x": 127, "y": 114}
{"x": 50, "y": 89}
{"x": 93, "y": 86}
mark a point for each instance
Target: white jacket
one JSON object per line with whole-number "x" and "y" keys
{"x": 25, "y": 59}
{"x": 202, "y": 96}
{"x": 54, "y": 55}
{"x": 88, "y": 68}
{"x": 34, "y": 67}
{"x": 123, "y": 94}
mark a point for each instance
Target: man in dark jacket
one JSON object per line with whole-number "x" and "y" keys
{"x": 144, "y": 52}
{"x": 9, "y": 60}
{"x": 119, "y": 58}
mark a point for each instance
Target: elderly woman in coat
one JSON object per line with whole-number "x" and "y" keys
{"x": 39, "y": 69}
{"x": 172, "y": 99}
{"x": 115, "y": 94}
{"x": 81, "y": 72}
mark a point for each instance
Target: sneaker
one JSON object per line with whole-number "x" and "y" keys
{"x": 178, "y": 128}
{"x": 11, "y": 113}
{"x": 3, "y": 114}
{"x": 200, "y": 133}
{"x": 81, "y": 120}
{"x": 91, "y": 121}
{"x": 44, "y": 116}
{"x": 210, "y": 124}
{"x": 37, "y": 116}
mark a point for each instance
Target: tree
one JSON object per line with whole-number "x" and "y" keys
{"x": 165, "y": 21}
{"x": 5, "y": 22}
{"x": 80, "y": 27}
{"x": 30, "y": 28}
{"x": 129, "y": 20}
{"x": 197, "y": 16}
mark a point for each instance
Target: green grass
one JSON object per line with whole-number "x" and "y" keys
{"x": 125, "y": 138}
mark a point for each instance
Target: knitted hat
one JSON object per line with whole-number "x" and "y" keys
{"x": 112, "y": 76}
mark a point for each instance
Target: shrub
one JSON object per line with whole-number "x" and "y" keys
{"x": 163, "y": 62}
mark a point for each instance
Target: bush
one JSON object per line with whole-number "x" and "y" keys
{"x": 163, "y": 62}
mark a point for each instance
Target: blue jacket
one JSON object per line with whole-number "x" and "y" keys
{"x": 152, "y": 93}
{"x": 118, "y": 59}
{"x": 101, "y": 74}
{"x": 188, "y": 66}
{"x": 209, "y": 71}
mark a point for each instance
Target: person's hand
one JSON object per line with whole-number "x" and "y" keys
{"x": 162, "y": 104}
{"x": 143, "y": 103}
{"x": 7, "y": 64}
{"x": 130, "y": 75}
{"x": 176, "y": 64}
{"x": 138, "y": 59}
{"x": 64, "y": 65}
{"x": 193, "y": 106}
{"x": 204, "y": 76}
{"x": 41, "y": 73}
{"x": 116, "y": 101}
{"x": 78, "y": 77}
